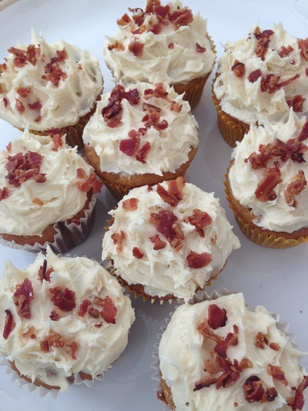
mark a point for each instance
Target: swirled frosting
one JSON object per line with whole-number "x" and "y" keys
{"x": 263, "y": 75}
{"x": 152, "y": 116}
{"x": 258, "y": 354}
{"x": 169, "y": 248}
{"x": 165, "y": 44}
{"x": 275, "y": 211}
{"x": 48, "y": 85}
{"x": 31, "y": 199}
{"x": 74, "y": 301}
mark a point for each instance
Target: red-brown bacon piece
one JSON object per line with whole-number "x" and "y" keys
{"x": 136, "y": 47}
{"x": 303, "y": 45}
{"x": 131, "y": 204}
{"x": 56, "y": 340}
{"x": 263, "y": 39}
{"x": 296, "y": 103}
{"x": 22, "y": 298}
{"x": 269, "y": 83}
{"x": 254, "y": 75}
{"x": 118, "y": 240}
{"x": 181, "y": 17}
{"x": 238, "y": 69}
{"x": 4, "y": 193}
{"x": 44, "y": 273}
{"x": 265, "y": 189}
{"x": 285, "y": 51}
{"x": 217, "y": 317}
{"x": 137, "y": 253}
{"x": 253, "y": 389}
{"x": 19, "y": 106}
{"x": 83, "y": 308}
{"x": 295, "y": 187}
{"x": 109, "y": 310}
{"x": 143, "y": 151}
{"x": 53, "y": 71}
{"x": 21, "y": 167}
{"x": 8, "y": 324}
{"x": 158, "y": 243}
{"x": 277, "y": 373}
{"x": 165, "y": 223}
{"x": 87, "y": 183}
{"x": 23, "y": 91}
{"x": 22, "y": 57}
{"x": 65, "y": 299}
{"x": 200, "y": 219}
{"x": 298, "y": 401}
{"x": 198, "y": 260}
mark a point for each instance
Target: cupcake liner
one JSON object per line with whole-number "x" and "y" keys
{"x": 192, "y": 90}
{"x": 231, "y": 129}
{"x": 67, "y": 234}
{"x": 259, "y": 235}
{"x": 200, "y": 297}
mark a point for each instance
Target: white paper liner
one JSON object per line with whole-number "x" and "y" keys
{"x": 204, "y": 296}
{"x": 68, "y": 235}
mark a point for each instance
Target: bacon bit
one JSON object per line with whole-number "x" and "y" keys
{"x": 53, "y": 72}
{"x": 298, "y": 401}
{"x": 19, "y": 106}
{"x": 265, "y": 189}
{"x": 196, "y": 260}
{"x": 93, "y": 312}
{"x": 137, "y": 253}
{"x": 303, "y": 45}
{"x": 287, "y": 82}
{"x": 143, "y": 152}
{"x": 57, "y": 341}
{"x": 112, "y": 114}
{"x": 277, "y": 373}
{"x": 285, "y": 51}
{"x": 37, "y": 105}
{"x": 271, "y": 394}
{"x": 138, "y": 16}
{"x": 136, "y": 47}
{"x": 199, "y": 220}
{"x": 274, "y": 346}
{"x": 140, "y": 30}
{"x": 254, "y": 75}
{"x": 238, "y": 69}
{"x": 253, "y": 389}
{"x": 5, "y": 102}
{"x": 161, "y": 396}
{"x": 304, "y": 132}
{"x": 124, "y": 20}
{"x": 88, "y": 183}
{"x": 171, "y": 46}
{"x": 3, "y": 68}
{"x": 56, "y": 314}
{"x": 30, "y": 333}
{"x": 175, "y": 187}
{"x": 200, "y": 49}
{"x": 263, "y": 39}
{"x": 129, "y": 146}
{"x": 116, "y": 45}
{"x": 217, "y": 317}
{"x": 167, "y": 197}
{"x": 131, "y": 204}
{"x": 206, "y": 382}
{"x": 22, "y": 57}
{"x": 261, "y": 340}
{"x": 22, "y": 167}
{"x": 23, "y": 91}
{"x": 297, "y": 103}
{"x": 269, "y": 83}
{"x": 181, "y": 17}
{"x": 295, "y": 188}
{"x": 57, "y": 141}
{"x": 9, "y": 324}
{"x": 118, "y": 240}
{"x": 246, "y": 363}
{"x": 38, "y": 201}
{"x": 64, "y": 299}
{"x": 22, "y": 298}
{"x": 4, "y": 193}
{"x": 84, "y": 307}
{"x": 158, "y": 243}
{"x": 165, "y": 223}
{"x": 109, "y": 310}
{"x": 212, "y": 365}
{"x": 43, "y": 273}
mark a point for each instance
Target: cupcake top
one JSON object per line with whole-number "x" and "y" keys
{"x": 62, "y": 316}
{"x": 171, "y": 238}
{"x": 47, "y": 85}
{"x": 263, "y": 76}
{"x": 160, "y": 43}
{"x": 142, "y": 129}
{"x": 42, "y": 181}
{"x": 269, "y": 174}
{"x": 217, "y": 354}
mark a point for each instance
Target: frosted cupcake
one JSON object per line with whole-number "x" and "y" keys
{"x": 260, "y": 77}
{"x": 162, "y": 44}
{"x": 48, "y": 86}
{"x": 140, "y": 135}
{"x": 63, "y": 319}
{"x": 47, "y": 193}
{"x": 266, "y": 183}
{"x": 219, "y": 355}
{"x": 168, "y": 241}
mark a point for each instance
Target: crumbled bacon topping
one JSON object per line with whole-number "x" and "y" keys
{"x": 137, "y": 253}
{"x": 19, "y": 106}
{"x": 285, "y": 51}
{"x": 53, "y": 71}
{"x": 158, "y": 243}
{"x": 197, "y": 260}
{"x": 83, "y": 308}
{"x": 269, "y": 83}
{"x": 261, "y": 340}
{"x": 118, "y": 240}
{"x": 277, "y": 373}
{"x": 44, "y": 273}
{"x": 4, "y": 193}
{"x": 22, "y": 167}
{"x": 136, "y": 47}
{"x": 199, "y": 219}
{"x": 165, "y": 223}
{"x": 298, "y": 401}
{"x": 265, "y": 189}
{"x": 253, "y": 389}
{"x": 87, "y": 183}
{"x": 37, "y": 105}
{"x": 181, "y": 17}
{"x": 109, "y": 310}
{"x": 238, "y": 69}
{"x": 296, "y": 103}
{"x": 65, "y": 299}
{"x": 303, "y": 45}
{"x": 263, "y": 39}
{"x": 124, "y": 20}
{"x": 217, "y": 317}
{"x": 22, "y": 298}
{"x": 9, "y": 324}
{"x": 294, "y": 188}
{"x": 116, "y": 45}
{"x": 174, "y": 192}
{"x": 200, "y": 49}
{"x": 254, "y": 75}
{"x": 22, "y": 57}
{"x": 58, "y": 341}
{"x": 131, "y": 204}
{"x": 23, "y": 91}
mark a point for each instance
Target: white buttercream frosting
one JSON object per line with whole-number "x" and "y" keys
{"x": 169, "y": 147}
{"x": 277, "y": 214}
{"x": 31, "y": 207}
{"x": 183, "y": 354}
{"x": 166, "y": 271}
{"x": 61, "y": 104}
{"x": 99, "y": 343}
{"x": 244, "y": 99}
{"x": 170, "y": 56}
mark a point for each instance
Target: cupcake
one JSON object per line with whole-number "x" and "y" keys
{"x": 219, "y": 355}
{"x": 259, "y": 77}
{"x": 162, "y": 44}
{"x": 48, "y": 86}
{"x": 47, "y": 194}
{"x": 140, "y": 135}
{"x": 64, "y": 320}
{"x": 168, "y": 241}
{"x": 266, "y": 183}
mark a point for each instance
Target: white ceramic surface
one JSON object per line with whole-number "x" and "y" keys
{"x": 276, "y": 279}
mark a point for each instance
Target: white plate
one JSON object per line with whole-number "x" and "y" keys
{"x": 277, "y": 279}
